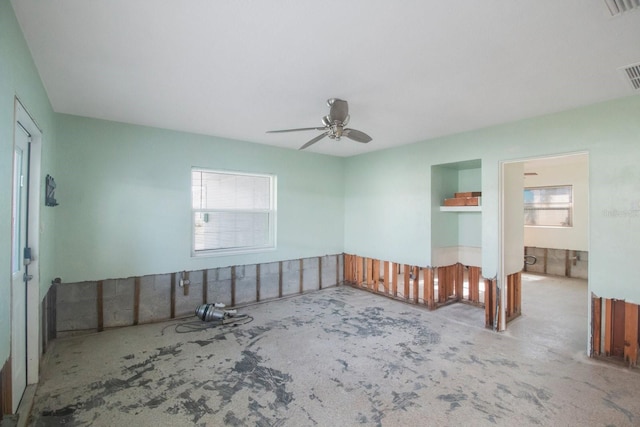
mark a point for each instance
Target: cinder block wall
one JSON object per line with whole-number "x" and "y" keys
{"x": 558, "y": 262}
{"x": 96, "y": 305}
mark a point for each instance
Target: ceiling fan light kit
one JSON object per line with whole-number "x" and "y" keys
{"x": 334, "y": 125}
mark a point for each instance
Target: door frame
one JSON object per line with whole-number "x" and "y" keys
{"x": 33, "y": 287}
{"x": 502, "y": 276}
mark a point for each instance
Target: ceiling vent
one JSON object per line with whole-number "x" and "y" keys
{"x": 632, "y": 75}
{"x": 616, "y": 7}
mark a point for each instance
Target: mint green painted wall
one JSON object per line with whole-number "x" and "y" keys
{"x": 388, "y": 218}
{"x": 470, "y": 223}
{"x": 444, "y": 225}
{"x": 19, "y": 77}
{"x": 125, "y": 197}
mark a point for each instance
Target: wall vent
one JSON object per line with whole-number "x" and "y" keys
{"x": 616, "y": 7}
{"x": 632, "y": 75}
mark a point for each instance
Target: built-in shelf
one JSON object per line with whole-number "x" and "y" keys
{"x": 461, "y": 208}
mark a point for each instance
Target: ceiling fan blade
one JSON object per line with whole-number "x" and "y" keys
{"x": 314, "y": 140}
{"x": 339, "y": 111}
{"x": 293, "y": 130}
{"x": 356, "y": 135}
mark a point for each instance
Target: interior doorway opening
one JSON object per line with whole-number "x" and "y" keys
{"x": 554, "y": 289}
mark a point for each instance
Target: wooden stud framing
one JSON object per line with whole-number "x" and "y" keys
{"x": 368, "y": 263}
{"x": 52, "y": 321}
{"x": 427, "y": 289}
{"x": 233, "y": 286}
{"x": 394, "y": 278}
{"x": 416, "y": 284}
{"x": 474, "y": 284}
{"x": 280, "y": 279}
{"x": 407, "y": 279}
{"x": 608, "y": 326}
{"x": 338, "y": 268}
{"x": 301, "y": 280}
{"x": 376, "y": 274}
{"x": 319, "y": 272}
{"x": 387, "y": 277}
{"x": 173, "y": 296}
{"x": 136, "y": 300}
{"x": 567, "y": 263}
{"x": 185, "y": 284}
{"x": 442, "y": 284}
{"x": 358, "y": 261}
{"x": 205, "y": 286}
{"x": 490, "y": 304}
{"x": 459, "y": 281}
{"x": 618, "y": 322}
{"x": 596, "y": 322}
{"x": 257, "y": 282}
{"x": 631, "y": 334}
{"x": 100, "y": 306}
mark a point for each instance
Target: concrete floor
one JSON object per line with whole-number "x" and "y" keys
{"x": 343, "y": 356}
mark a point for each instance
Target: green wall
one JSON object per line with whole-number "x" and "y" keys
{"x": 125, "y": 199}
{"x": 19, "y": 77}
{"x": 124, "y": 190}
{"x": 388, "y": 200}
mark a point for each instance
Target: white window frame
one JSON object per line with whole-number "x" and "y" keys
{"x": 549, "y": 206}
{"x": 235, "y": 250}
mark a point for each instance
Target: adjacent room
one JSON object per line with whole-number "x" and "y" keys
{"x": 337, "y": 213}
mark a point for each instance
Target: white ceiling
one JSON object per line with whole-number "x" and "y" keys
{"x": 410, "y": 70}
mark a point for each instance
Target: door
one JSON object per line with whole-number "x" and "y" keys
{"x": 19, "y": 266}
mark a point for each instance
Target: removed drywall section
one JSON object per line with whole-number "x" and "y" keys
{"x": 97, "y": 305}
{"x": 557, "y": 262}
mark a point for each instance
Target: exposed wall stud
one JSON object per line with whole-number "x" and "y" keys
{"x": 136, "y": 301}
{"x": 428, "y": 287}
{"x": 393, "y": 267}
{"x": 387, "y": 277}
{"x": 416, "y": 284}
{"x": 257, "y": 282}
{"x": 301, "y": 280}
{"x": 407, "y": 280}
{"x": 618, "y": 336}
{"x": 280, "y": 279}
{"x": 100, "y": 306}
{"x": 596, "y": 322}
{"x": 319, "y": 272}
{"x": 608, "y": 327}
{"x": 376, "y": 274}
{"x": 205, "y": 286}
{"x": 233, "y": 286}
{"x": 186, "y": 283}
{"x": 173, "y": 296}
{"x": 631, "y": 334}
{"x": 459, "y": 281}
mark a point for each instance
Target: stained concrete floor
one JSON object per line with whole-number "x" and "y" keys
{"x": 341, "y": 356}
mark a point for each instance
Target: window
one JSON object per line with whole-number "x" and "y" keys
{"x": 232, "y": 212}
{"x": 548, "y": 206}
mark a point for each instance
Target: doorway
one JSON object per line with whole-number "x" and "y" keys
{"x": 24, "y": 254}
{"x": 567, "y": 237}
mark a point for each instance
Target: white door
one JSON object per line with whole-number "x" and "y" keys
{"x": 18, "y": 266}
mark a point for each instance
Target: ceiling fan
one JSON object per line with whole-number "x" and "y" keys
{"x": 334, "y": 125}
